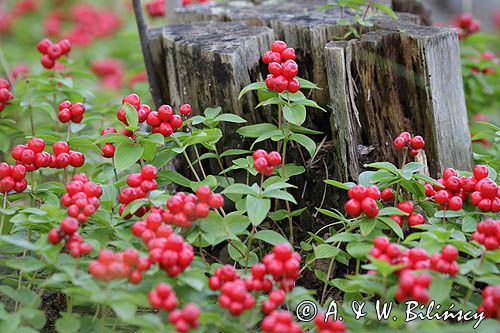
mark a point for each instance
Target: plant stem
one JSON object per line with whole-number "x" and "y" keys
{"x": 219, "y": 160}
{"x": 68, "y": 134}
{"x": 114, "y": 168}
{"x": 481, "y": 260}
{"x": 247, "y": 254}
{"x": 469, "y": 292}
{"x": 4, "y": 206}
{"x": 31, "y": 121}
{"x": 330, "y": 268}
{"x": 199, "y": 162}
{"x": 236, "y": 248}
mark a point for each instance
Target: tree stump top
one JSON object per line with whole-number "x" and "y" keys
{"x": 223, "y": 37}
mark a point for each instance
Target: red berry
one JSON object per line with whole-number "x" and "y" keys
{"x": 353, "y": 207}
{"x": 186, "y": 109}
{"x": 417, "y": 142}
{"x": 387, "y": 194}
{"x": 278, "y": 46}
{"x": 369, "y": 207}
{"x": 149, "y": 172}
{"x": 69, "y": 226}
{"x": 132, "y": 99}
{"x": 480, "y": 172}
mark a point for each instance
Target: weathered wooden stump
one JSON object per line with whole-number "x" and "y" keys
{"x": 397, "y": 76}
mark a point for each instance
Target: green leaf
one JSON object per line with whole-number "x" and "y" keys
{"x": 385, "y": 9}
{"x": 388, "y": 211}
{"x": 393, "y": 225}
{"x": 385, "y": 268}
{"x": 337, "y": 184}
{"x": 305, "y": 84}
{"x": 270, "y": 237}
{"x": 230, "y": 118}
{"x": 232, "y": 152}
{"x": 383, "y": 166}
{"x": 271, "y": 101}
{"x": 359, "y": 250}
{"x": 367, "y": 225}
{"x": 131, "y": 115}
{"x": 124, "y": 311}
{"x": 410, "y": 168}
{"x": 282, "y": 195}
{"x": 308, "y": 102}
{"x": 68, "y": 323}
{"x": 295, "y": 115}
{"x": 211, "y": 113}
{"x": 252, "y": 86}
{"x": 440, "y": 289}
{"x": 24, "y": 244}
{"x": 257, "y": 209}
{"x": 126, "y": 155}
{"x": 26, "y": 264}
{"x": 254, "y": 131}
{"x": 239, "y": 189}
{"x": 342, "y": 237}
{"x": 324, "y": 251}
{"x": 112, "y": 138}
{"x": 469, "y": 224}
{"x": 304, "y": 141}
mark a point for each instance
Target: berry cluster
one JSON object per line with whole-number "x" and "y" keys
{"x": 284, "y": 265}
{"x": 258, "y": 281}
{"x": 276, "y": 298}
{"x": 235, "y": 297}
{"x": 414, "y": 219}
{"x": 383, "y": 249}
{"x": 33, "y": 156}
{"x": 109, "y": 71}
{"x": 185, "y": 319}
{"x": 451, "y": 193}
{"x": 405, "y": 140}
{"x": 414, "y": 259}
{"x": 223, "y": 274}
{"x": 280, "y": 321}
{"x": 183, "y": 208}
{"x": 63, "y": 156}
{"x": 265, "y": 162}
{"x": 414, "y": 287}
{"x": 329, "y": 326}
{"x": 163, "y": 297}
{"x": 20, "y": 8}
{"x": 5, "y": 94}
{"x": 486, "y": 193}
{"x": 491, "y": 302}
{"x": 71, "y": 112}
{"x": 140, "y": 184}
{"x": 445, "y": 262}
{"x": 120, "y": 265}
{"x": 172, "y": 253}
{"x": 143, "y": 110}
{"x": 82, "y": 197}
{"x": 12, "y": 177}
{"x": 108, "y": 149}
{"x": 88, "y": 23}
{"x": 152, "y": 226}
{"x": 164, "y": 121}
{"x": 362, "y": 199}
{"x": 67, "y": 232}
{"x": 488, "y": 234}
{"x": 466, "y": 25}
{"x": 283, "y": 68}
{"x": 51, "y": 52}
